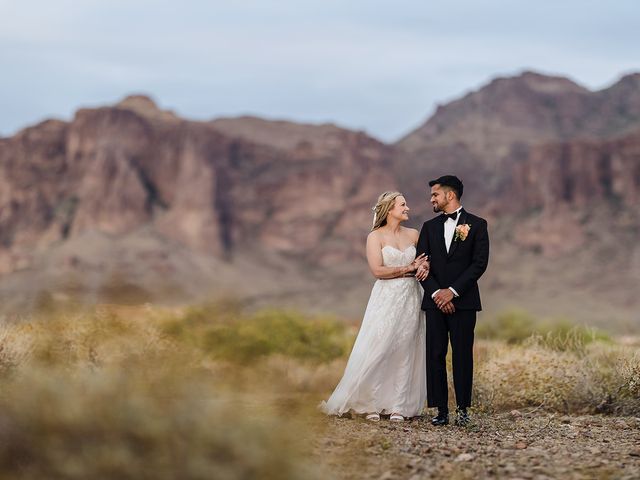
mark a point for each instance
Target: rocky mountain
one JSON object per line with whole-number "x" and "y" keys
{"x": 484, "y": 133}
{"x": 143, "y": 180}
{"x": 133, "y": 203}
{"x": 530, "y": 108}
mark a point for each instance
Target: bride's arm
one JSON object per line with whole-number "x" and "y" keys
{"x": 374, "y": 259}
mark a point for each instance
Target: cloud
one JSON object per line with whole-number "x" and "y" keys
{"x": 372, "y": 65}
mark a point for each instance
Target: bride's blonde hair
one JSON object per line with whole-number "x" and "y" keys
{"x": 385, "y": 202}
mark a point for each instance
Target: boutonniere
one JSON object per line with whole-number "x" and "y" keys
{"x": 462, "y": 231}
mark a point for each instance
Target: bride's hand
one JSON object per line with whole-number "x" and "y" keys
{"x": 423, "y": 270}
{"x": 419, "y": 260}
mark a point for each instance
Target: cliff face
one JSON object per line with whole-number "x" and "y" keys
{"x": 579, "y": 173}
{"x": 119, "y": 169}
{"x": 112, "y": 170}
{"x": 274, "y": 209}
{"x": 315, "y": 197}
{"x": 565, "y": 188}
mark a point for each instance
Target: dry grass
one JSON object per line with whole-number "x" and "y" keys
{"x": 599, "y": 378}
{"x": 215, "y": 392}
{"x": 110, "y": 395}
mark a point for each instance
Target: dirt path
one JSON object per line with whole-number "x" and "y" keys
{"x": 511, "y": 445}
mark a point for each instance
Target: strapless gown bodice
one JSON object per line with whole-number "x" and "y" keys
{"x": 393, "y": 257}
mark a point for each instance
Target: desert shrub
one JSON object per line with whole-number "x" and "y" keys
{"x": 564, "y": 336}
{"x": 629, "y": 390}
{"x": 98, "y": 337}
{"x": 202, "y": 315}
{"x": 618, "y": 383}
{"x": 246, "y": 338}
{"x": 512, "y": 326}
{"x": 517, "y": 326}
{"x": 516, "y": 376}
{"x": 597, "y": 377}
{"x": 630, "y": 372}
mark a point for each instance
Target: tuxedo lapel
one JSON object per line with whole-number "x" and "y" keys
{"x": 462, "y": 219}
{"x": 440, "y": 236}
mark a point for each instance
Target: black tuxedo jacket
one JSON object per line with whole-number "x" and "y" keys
{"x": 461, "y": 267}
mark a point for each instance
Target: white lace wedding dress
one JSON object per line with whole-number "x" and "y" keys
{"x": 386, "y": 371}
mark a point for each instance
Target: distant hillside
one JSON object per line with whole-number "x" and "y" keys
{"x": 132, "y": 203}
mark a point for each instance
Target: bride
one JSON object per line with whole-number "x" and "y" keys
{"x": 386, "y": 371}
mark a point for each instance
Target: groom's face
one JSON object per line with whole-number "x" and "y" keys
{"x": 439, "y": 198}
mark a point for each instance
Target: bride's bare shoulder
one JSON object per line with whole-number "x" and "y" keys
{"x": 413, "y": 233}
{"x": 374, "y": 236}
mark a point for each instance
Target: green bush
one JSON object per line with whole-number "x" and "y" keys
{"x": 230, "y": 334}
{"x": 517, "y": 327}
{"x": 513, "y": 326}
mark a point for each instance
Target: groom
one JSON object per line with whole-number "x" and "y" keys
{"x": 457, "y": 243}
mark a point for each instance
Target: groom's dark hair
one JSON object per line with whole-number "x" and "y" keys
{"x": 451, "y": 181}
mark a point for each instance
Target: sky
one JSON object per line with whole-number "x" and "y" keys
{"x": 378, "y": 66}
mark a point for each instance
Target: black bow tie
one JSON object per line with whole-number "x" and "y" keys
{"x": 447, "y": 216}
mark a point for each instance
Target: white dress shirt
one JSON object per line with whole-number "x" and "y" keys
{"x": 449, "y": 230}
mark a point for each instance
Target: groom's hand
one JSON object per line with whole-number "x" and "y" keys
{"x": 443, "y": 297}
{"x": 448, "y": 308}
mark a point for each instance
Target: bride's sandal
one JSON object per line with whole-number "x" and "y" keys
{"x": 396, "y": 417}
{"x": 373, "y": 417}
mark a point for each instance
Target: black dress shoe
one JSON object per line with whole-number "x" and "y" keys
{"x": 441, "y": 419}
{"x": 462, "y": 417}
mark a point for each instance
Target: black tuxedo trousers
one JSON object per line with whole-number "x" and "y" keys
{"x": 459, "y": 328}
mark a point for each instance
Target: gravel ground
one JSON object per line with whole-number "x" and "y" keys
{"x": 511, "y": 445}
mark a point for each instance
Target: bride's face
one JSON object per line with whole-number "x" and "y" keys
{"x": 400, "y": 210}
